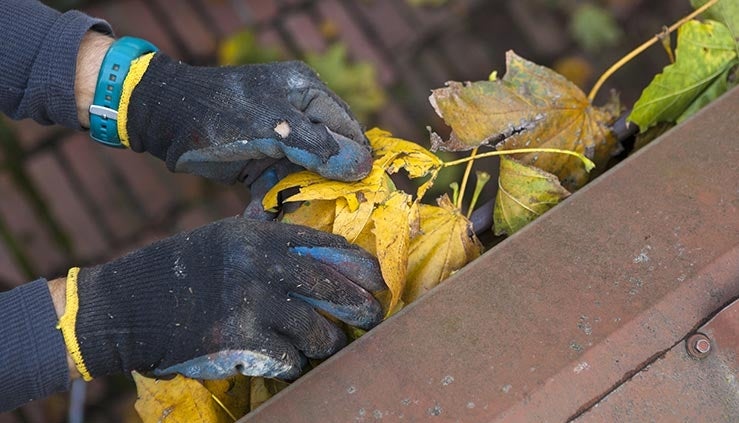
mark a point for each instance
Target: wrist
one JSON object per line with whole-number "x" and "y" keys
{"x": 90, "y": 56}
{"x": 57, "y": 288}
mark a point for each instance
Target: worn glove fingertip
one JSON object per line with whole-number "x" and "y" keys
{"x": 364, "y": 315}
{"x": 352, "y": 163}
{"x": 223, "y": 364}
{"x": 357, "y": 265}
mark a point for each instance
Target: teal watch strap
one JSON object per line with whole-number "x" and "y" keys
{"x": 115, "y": 67}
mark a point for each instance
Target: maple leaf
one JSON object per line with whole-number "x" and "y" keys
{"x": 313, "y": 186}
{"x": 531, "y": 106}
{"x": 444, "y": 245}
{"x": 350, "y": 224}
{"x": 392, "y": 223}
{"x": 705, "y": 54}
{"x": 725, "y": 11}
{"x": 394, "y": 154}
{"x": 183, "y": 400}
{"x": 317, "y": 214}
{"x": 524, "y": 193}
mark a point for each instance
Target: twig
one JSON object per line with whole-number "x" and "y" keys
{"x": 616, "y": 66}
{"x": 589, "y": 165}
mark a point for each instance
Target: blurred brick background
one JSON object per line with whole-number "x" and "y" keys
{"x": 65, "y": 200}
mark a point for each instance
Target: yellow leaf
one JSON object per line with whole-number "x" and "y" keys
{"x": 394, "y": 154}
{"x": 392, "y": 238}
{"x": 178, "y": 400}
{"x": 445, "y": 244}
{"x": 524, "y": 193}
{"x": 232, "y": 394}
{"x": 316, "y": 187}
{"x": 317, "y": 214}
{"x": 366, "y": 238}
{"x": 263, "y": 389}
{"x": 350, "y": 224}
{"x": 531, "y": 106}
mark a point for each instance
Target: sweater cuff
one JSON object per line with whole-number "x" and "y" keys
{"x": 55, "y": 66}
{"x": 33, "y": 358}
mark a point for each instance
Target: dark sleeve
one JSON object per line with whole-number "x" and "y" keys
{"x": 33, "y": 358}
{"x": 38, "y": 60}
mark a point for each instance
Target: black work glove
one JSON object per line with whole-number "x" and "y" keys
{"x": 234, "y": 296}
{"x": 212, "y": 121}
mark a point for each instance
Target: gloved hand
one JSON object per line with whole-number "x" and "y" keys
{"x": 234, "y": 296}
{"x": 211, "y": 121}
{"x": 261, "y": 181}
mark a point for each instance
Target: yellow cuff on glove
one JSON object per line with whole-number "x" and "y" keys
{"x": 68, "y": 322}
{"x": 138, "y": 68}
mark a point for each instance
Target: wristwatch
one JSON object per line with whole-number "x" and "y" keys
{"x": 115, "y": 67}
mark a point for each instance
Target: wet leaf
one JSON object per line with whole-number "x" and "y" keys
{"x": 444, "y": 245}
{"x": 704, "y": 53}
{"x": 531, "y": 106}
{"x": 186, "y": 400}
{"x": 392, "y": 222}
{"x": 524, "y": 193}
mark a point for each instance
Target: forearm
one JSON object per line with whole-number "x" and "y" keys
{"x": 33, "y": 358}
{"x": 39, "y": 48}
{"x": 93, "y": 47}
{"x": 57, "y": 289}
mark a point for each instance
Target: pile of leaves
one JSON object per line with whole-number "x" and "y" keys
{"x": 549, "y": 137}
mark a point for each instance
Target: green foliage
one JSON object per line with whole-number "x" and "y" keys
{"x": 243, "y": 48}
{"x": 705, "y": 55}
{"x": 524, "y": 193}
{"x": 355, "y": 82}
{"x": 725, "y": 11}
{"x": 594, "y": 28}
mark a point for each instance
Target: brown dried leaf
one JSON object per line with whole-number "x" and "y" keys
{"x": 531, "y": 106}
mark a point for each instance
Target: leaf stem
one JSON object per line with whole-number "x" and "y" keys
{"x": 616, "y": 66}
{"x": 589, "y": 165}
{"x": 481, "y": 179}
{"x": 230, "y": 414}
{"x": 466, "y": 177}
